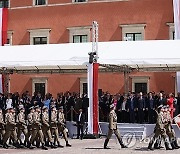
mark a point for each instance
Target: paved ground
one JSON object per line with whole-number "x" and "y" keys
{"x": 93, "y": 146}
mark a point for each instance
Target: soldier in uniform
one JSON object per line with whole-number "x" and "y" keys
{"x": 53, "y": 125}
{"x": 30, "y": 121}
{"x": 113, "y": 128}
{"x": 10, "y": 129}
{"x": 46, "y": 126}
{"x": 22, "y": 127}
{"x": 159, "y": 130}
{"x": 37, "y": 128}
{"x": 169, "y": 129}
{"x": 2, "y": 126}
{"x": 62, "y": 126}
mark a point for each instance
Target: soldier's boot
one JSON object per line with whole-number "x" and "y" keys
{"x": 106, "y": 143}
{"x": 5, "y": 146}
{"x": 30, "y": 146}
{"x": 167, "y": 145}
{"x": 1, "y": 142}
{"x": 67, "y": 144}
{"x": 17, "y": 145}
{"x": 38, "y": 144}
{"x": 47, "y": 143}
{"x": 157, "y": 144}
{"x": 59, "y": 145}
{"x": 150, "y": 146}
{"x": 44, "y": 147}
{"x": 176, "y": 143}
{"x": 53, "y": 146}
{"x": 173, "y": 146}
{"x": 121, "y": 143}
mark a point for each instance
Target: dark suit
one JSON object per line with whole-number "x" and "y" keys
{"x": 141, "y": 107}
{"x": 80, "y": 125}
{"x": 131, "y": 105}
{"x": 2, "y": 103}
{"x": 151, "y": 106}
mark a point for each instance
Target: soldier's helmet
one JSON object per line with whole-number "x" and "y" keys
{"x": 159, "y": 108}
{"x": 44, "y": 108}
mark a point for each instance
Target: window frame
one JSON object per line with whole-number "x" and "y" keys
{"x": 39, "y": 41}
{"x": 132, "y": 28}
{"x": 80, "y": 38}
{"x": 8, "y": 6}
{"x": 34, "y": 3}
{"x": 74, "y": 1}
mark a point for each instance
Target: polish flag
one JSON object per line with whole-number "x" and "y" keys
{"x": 3, "y": 36}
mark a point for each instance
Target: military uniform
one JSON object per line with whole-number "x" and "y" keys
{"x": 61, "y": 126}
{"x": 37, "y": 129}
{"x": 46, "y": 127}
{"x": 10, "y": 129}
{"x": 2, "y": 127}
{"x": 159, "y": 130}
{"x": 30, "y": 123}
{"x": 22, "y": 127}
{"x": 113, "y": 128}
{"x": 54, "y": 128}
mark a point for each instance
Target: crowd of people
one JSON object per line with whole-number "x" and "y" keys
{"x": 130, "y": 108}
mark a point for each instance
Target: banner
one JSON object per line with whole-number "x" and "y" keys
{"x": 176, "y": 6}
{"x": 93, "y": 116}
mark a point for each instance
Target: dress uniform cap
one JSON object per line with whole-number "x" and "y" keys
{"x": 31, "y": 108}
{"x": 37, "y": 106}
{"x": 21, "y": 108}
{"x": 53, "y": 106}
{"x": 160, "y": 106}
{"x": 45, "y": 107}
{"x": 111, "y": 106}
{"x": 61, "y": 107}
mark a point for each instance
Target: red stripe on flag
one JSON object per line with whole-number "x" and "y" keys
{"x": 4, "y": 25}
{"x": 95, "y": 98}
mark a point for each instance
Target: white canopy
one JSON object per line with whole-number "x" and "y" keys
{"x": 136, "y": 54}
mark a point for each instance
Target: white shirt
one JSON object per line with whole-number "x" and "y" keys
{"x": 8, "y": 103}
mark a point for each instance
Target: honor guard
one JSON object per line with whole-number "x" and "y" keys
{"x": 10, "y": 129}
{"x": 113, "y": 128}
{"x": 46, "y": 126}
{"x": 53, "y": 124}
{"x": 37, "y": 128}
{"x": 22, "y": 127}
{"x": 61, "y": 125}
{"x": 159, "y": 130}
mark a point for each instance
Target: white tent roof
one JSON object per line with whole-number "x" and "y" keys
{"x": 136, "y": 54}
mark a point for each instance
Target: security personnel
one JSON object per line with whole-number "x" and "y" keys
{"x": 22, "y": 127}
{"x": 53, "y": 125}
{"x": 37, "y": 128}
{"x": 10, "y": 129}
{"x": 62, "y": 126}
{"x": 2, "y": 126}
{"x": 159, "y": 130}
{"x": 46, "y": 126}
{"x": 113, "y": 128}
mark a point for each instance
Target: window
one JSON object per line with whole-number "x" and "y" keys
{"x": 39, "y": 40}
{"x": 171, "y": 31}
{"x": 39, "y": 36}
{"x": 79, "y": 34}
{"x": 79, "y": 0}
{"x": 133, "y": 32}
{"x": 39, "y": 85}
{"x": 83, "y": 86}
{"x": 79, "y": 38}
{"x": 133, "y": 36}
{"x": 40, "y": 2}
{"x": 140, "y": 84}
{"x": 4, "y": 3}
{"x": 9, "y": 37}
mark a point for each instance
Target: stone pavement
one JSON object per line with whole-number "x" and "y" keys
{"x": 93, "y": 146}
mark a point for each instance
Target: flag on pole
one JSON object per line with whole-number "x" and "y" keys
{"x": 176, "y": 8}
{"x": 3, "y": 36}
{"x": 93, "y": 117}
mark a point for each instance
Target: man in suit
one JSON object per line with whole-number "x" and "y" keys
{"x": 141, "y": 108}
{"x": 151, "y": 107}
{"x": 113, "y": 128}
{"x": 131, "y": 105}
{"x": 2, "y": 101}
{"x": 80, "y": 124}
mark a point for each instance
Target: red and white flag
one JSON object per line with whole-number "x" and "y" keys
{"x": 3, "y": 35}
{"x": 93, "y": 116}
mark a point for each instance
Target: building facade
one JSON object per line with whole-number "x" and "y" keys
{"x": 32, "y": 22}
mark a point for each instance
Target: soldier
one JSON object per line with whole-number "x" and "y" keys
{"x": 62, "y": 126}
{"x": 10, "y": 129}
{"x": 2, "y": 127}
{"x": 113, "y": 128}
{"x": 53, "y": 124}
{"x": 30, "y": 121}
{"x": 22, "y": 127}
{"x": 37, "y": 128}
{"x": 169, "y": 129}
{"x": 160, "y": 130}
{"x": 46, "y": 126}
